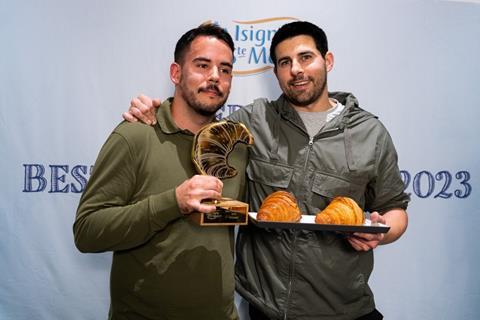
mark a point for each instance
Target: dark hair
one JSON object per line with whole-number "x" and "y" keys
{"x": 206, "y": 29}
{"x": 299, "y": 28}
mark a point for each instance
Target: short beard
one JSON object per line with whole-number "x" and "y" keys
{"x": 203, "y": 109}
{"x": 310, "y": 98}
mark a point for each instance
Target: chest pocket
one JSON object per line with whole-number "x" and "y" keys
{"x": 274, "y": 175}
{"x": 329, "y": 186}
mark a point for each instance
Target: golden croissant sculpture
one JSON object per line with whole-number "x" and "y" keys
{"x": 342, "y": 210}
{"x": 212, "y": 145}
{"x": 279, "y": 206}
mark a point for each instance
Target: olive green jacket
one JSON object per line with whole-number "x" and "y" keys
{"x": 164, "y": 266}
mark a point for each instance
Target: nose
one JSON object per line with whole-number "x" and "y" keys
{"x": 296, "y": 67}
{"x": 214, "y": 74}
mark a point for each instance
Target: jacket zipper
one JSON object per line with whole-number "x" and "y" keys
{"x": 292, "y": 261}
{"x": 312, "y": 139}
{"x": 290, "y": 274}
{"x": 310, "y": 146}
{"x": 294, "y": 246}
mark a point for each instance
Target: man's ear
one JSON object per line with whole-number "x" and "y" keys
{"x": 175, "y": 73}
{"x": 329, "y": 61}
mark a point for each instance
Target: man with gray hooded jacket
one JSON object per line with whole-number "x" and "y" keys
{"x": 316, "y": 145}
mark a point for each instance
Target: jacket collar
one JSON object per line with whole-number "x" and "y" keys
{"x": 288, "y": 112}
{"x": 350, "y": 116}
{"x": 165, "y": 120}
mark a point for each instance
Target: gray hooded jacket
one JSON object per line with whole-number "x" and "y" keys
{"x": 299, "y": 274}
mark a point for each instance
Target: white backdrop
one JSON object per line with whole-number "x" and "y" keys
{"x": 68, "y": 69}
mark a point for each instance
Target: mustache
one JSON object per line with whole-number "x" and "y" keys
{"x": 212, "y": 87}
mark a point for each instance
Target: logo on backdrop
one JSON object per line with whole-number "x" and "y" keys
{"x": 252, "y": 43}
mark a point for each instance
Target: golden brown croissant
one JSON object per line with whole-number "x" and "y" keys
{"x": 212, "y": 145}
{"x": 342, "y": 210}
{"x": 279, "y": 206}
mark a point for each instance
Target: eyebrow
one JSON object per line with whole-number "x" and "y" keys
{"x": 227, "y": 64}
{"x": 203, "y": 59}
{"x": 283, "y": 58}
{"x": 298, "y": 54}
{"x": 306, "y": 52}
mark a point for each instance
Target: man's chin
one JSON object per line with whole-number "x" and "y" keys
{"x": 208, "y": 109}
{"x": 300, "y": 101}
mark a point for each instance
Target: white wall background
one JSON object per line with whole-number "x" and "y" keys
{"x": 68, "y": 69}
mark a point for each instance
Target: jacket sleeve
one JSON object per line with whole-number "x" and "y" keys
{"x": 386, "y": 191}
{"x": 106, "y": 219}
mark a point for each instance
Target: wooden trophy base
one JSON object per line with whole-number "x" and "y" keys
{"x": 229, "y": 213}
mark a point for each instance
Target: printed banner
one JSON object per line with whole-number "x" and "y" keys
{"x": 70, "y": 68}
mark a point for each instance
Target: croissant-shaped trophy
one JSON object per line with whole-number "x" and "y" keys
{"x": 212, "y": 145}
{"x": 342, "y": 210}
{"x": 279, "y": 206}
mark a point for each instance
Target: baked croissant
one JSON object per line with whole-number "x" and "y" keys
{"x": 212, "y": 145}
{"x": 279, "y": 206}
{"x": 342, "y": 210}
